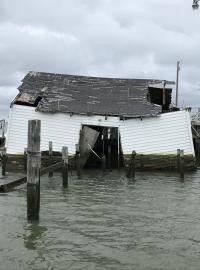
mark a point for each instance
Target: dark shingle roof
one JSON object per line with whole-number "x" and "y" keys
{"x": 87, "y": 95}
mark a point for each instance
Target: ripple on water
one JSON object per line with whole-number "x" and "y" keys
{"x": 105, "y": 222}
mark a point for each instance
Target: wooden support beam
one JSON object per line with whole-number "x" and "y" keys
{"x": 131, "y": 169}
{"x": 182, "y": 163}
{"x": 141, "y": 162}
{"x": 78, "y": 160}
{"x": 178, "y": 159}
{"x": 50, "y": 157}
{"x": 65, "y": 161}
{"x": 25, "y": 159}
{"x": 4, "y": 161}
{"x": 33, "y": 170}
{"x": 109, "y": 157}
{"x": 103, "y": 160}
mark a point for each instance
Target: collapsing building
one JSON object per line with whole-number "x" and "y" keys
{"x": 102, "y": 115}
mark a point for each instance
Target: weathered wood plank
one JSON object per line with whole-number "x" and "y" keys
{"x": 88, "y": 138}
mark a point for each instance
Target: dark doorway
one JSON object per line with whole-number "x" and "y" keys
{"x": 107, "y": 144}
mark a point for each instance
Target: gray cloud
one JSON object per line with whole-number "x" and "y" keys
{"x": 142, "y": 39}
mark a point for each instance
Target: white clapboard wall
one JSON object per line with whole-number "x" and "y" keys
{"x": 60, "y": 128}
{"x": 155, "y": 135}
{"x": 158, "y": 135}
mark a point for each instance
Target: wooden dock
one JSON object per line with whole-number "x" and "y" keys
{"x": 8, "y": 183}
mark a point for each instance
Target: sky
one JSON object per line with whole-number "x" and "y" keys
{"x": 109, "y": 38}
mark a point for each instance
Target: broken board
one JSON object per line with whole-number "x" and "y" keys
{"x": 88, "y": 139}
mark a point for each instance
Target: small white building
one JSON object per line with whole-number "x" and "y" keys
{"x": 133, "y": 114}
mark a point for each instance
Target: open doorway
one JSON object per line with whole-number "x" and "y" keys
{"x": 96, "y": 142}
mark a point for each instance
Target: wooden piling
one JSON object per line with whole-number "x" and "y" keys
{"x": 65, "y": 162}
{"x": 131, "y": 169}
{"x": 4, "y": 162}
{"x": 25, "y": 159}
{"x": 50, "y": 157}
{"x": 182, "y": 163}
{"x": 141, "y": 162}
{"x": 178, "y": 159}
{"x": 33, "y": 170}
{"x": 103, "y": 162}
{"x": 109, "y": 157}
{"x": 78, "y": 164}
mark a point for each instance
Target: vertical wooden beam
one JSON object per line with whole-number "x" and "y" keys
{"x": 142, "y": 161}
{"x": 118, "y": 148}
{"x": 33, "y": 170}
{"x": 182, "y": 163}
{"x": 65, "y": 161}
{"x": 109, "y": 157}
{"x": 25, "y": 159}
{"x": 4, "y": 161}
{"x": 50, "y": 157}
{"x": 78, "y": 157}
{"x": 103, "y": 160}
{"x": 177, "y": 81}
{"x": 109, "y": 149}
{"x": 178, "y": 159}
{"x": 131, "y": 169}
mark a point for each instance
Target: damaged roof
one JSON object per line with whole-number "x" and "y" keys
{"x": 87, "y": 95}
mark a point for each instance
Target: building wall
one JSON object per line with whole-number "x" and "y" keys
{"x": 155, "y": 135}
{"x": 59, "y": 128}
{"x": 158, "y": 135}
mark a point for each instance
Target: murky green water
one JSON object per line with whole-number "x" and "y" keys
{"x": 105, "y": 222}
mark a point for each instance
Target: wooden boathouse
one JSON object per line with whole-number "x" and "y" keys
{"x": 105, "y": 117}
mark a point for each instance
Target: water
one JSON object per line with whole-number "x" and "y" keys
{"x": 105, "y": 222}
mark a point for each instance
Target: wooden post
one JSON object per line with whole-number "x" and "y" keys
{"x": 50, "y": 157}
{"x": 178, "y": 159}
{"x": 177, "y": 81}
{"x": 109, "y": 157}
{"x": 182, "y": 163}
{"x": 118, "y": 149}
{"x": 78, "y": 157}
{"x": 142, "y": 161}
{"x": 103, "y": 160}
{"x": 65, "y": 166}
{"x": 131, "y": 169}
{"x": 33, "y": 170}
{"x": 25, "y": 159}
{"x": 4, "y": 161}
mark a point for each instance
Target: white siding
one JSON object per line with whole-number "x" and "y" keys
{"x": 163, "y": 134}
{"x": 158, "y": 135}
{"x": 59, "y": 128}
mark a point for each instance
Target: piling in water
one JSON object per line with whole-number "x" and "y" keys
{"x": 182, "y": 163}
{"x": 25, "y": 159}
{"x": 131, "y": 169}
{"x": 103, "y": 161}
{"x": 65, "y": 162}
{"x": 33, "y": 170}
{"x": 50, "y": 157}
{"x": 78, "y": 160}
{"x": 4, "y": 161}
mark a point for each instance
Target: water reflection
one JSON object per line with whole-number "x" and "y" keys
{"x": 32, "y": 234}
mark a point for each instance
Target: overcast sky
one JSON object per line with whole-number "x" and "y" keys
{"x": 112, "y": 38}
